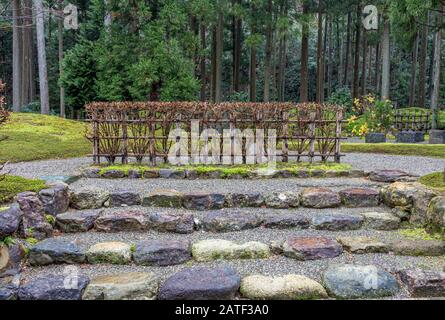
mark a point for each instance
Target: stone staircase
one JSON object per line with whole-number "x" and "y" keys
{"x": 199, "y": 240}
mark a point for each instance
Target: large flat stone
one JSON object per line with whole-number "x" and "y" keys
{"x": 311, "y": 248}
{"x": 381, "y": 221}
{"x": 282, "y": 200}
{"x": 53, "y": 287}
{"x": 125, "y": 286}
{"x": 286, "y": 221}
{"x": 387, "y": 176}
{"x": 162, "y": 252}
{"x": 423, "y": 283}
{"x": 320, "y": 198}
{"x": 10, "y": 219}
{"x": 288, "y": 287}
{"x": 109, "y": 252}
{"x": 88, "y": 198}
{"x": 201, "y": 283}
{"x": 55, "y": 198}
{"x": 244, "y": 200}
{"x": 418, "y": 248}
{"x": 216, "y": 249}
{"x": 124, "y": 199}
{"x": 163, "y": 199}
{"x": 121, "y": 220}
{"x": 77, "y": 221}
{"x": 182, "y": 223}
{"x": 362, "y": 245}
{"x": 360, "y": 197}
{"x": 353, "y": 281}
{"x": 222, "y": 221}
{"x": 337, "y": 222}
{"x": 172, "y": 174}
{"x": 54, "y": 251}
{"x": 204, "y": 201}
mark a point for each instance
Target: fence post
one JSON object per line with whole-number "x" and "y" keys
{"x": 153, "y": 140}
{"x": 338, "y": 123}
{"x": 124, "y": 138}
{"x": 96, "y": 156}
{"x": 285, "y": 145}
{"x": 312, "y": 136}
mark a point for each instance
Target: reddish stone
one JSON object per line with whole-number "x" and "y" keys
{"x": 360, "y": 197}
{"x": 320, "y": 198}
{"x": 311, "y": 248}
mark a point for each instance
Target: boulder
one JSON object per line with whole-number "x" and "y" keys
{"x": 201, "y": 283}
{"x": 121, "y": 220}
{"x": 387, "y": 176}
{"x": 124, "y": 286}
{"x": 282, "y": 200}
{"x": 55, "y": 199}
{"x": 113, "y": 174}
{"x": 423, "y": 283}
{"x": 162, "y": 252}
{"x": 381, "y": 221}
{"x": 353, "y": 282}
{"x": 151, "y": 174}
{"x": 222, "y": 221}
{"x": 320, "y": 198}
{"x": 54, "y": 287}
{"x": 360, "y": 197}
{"x": 55, "y": 251}
{"x": 134, "y": 174}
{"x": 288, "y": 287}
{"x": 77, "y": 221}
{"x": 172, "y": 222}
{"x": 11, "y": 259}
{"x": 124, "y": 199}
{"x": 92, "y": 173}
{"x": 244, "y": 200}
{"x": 337, "y": 222}
{"x": 415, "y": 248}
{"x": 204, "y": 201}
{"x": 215, "y": 249}
{"x": 89, "y": 198}
{"x": 163, "y": 199}
{"x": 399, "y": 194}
{"x": 34, "y": 223}
{"x": 172, "y": 174}
{"x": 311, "y": 248}
{"x": 421, "y": 201}
{"x": 436, "y": 215}
{"x": 10, "y": 219}
{"x": 286, "y": 221}
{"x": 109, "y": 252}
{"x": 362, "y": 245}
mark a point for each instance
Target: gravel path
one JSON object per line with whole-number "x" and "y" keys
{"x": 363, "y": 161}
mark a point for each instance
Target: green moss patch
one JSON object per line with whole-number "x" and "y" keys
{"x": 12, "y": 185}
{"x": 425, "y": 150}
{"x": 434, "y": 180}
{"x": 420, "y": 234}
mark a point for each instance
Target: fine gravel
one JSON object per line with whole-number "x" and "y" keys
{"x": 362, "y": 161}
{"x": 274, "y": 266}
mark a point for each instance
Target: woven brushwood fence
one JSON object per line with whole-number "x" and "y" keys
{"x": 418, "y": 121}
{"x": 124, "y": 130}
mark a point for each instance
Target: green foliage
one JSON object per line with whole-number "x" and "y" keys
{"x": 7, "y": 241}
{"x": 341, "y": 97}
{"x": 426, "y": 150}
{"x": 10, "y": 186}
{"x": 50, "y": 219}
{"x": 434, "y": 180}
{"x": 31, "y": 241}
{"x": 420, "y": 234}
{"x": 42, "y": 137}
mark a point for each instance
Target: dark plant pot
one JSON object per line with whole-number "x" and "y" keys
{"x": 375, "y": 138}
{"x": 437, "y": 137}
{"x": 410, "y": 137}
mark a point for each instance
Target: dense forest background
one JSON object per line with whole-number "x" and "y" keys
{"x": 219, "y": 50}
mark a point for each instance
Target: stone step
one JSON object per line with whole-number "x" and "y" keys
{"x": 227, "y": 220}
{"x": 341, "y": 281}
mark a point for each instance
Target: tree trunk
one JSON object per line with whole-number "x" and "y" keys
{"x": 320, "y": 67}
{"x": 16, "y": 57}
{"x": 268, "y": 57}
{"x": 436, "y": 68}
{"x": 218, "y": 56}
{"x": 364, "y": 63}
{"x": 236, "y": 39}
{"x": 386, "y": 58}
{"x": 339, "y": 57}
{"x": 358, "y": 24}
{"x": 348, "y": 50}
{"x": 60, "y": 40}
{"x": 330, "y": 52}
{"x": 252, "y": 75}
{"x": 412, "y": 83}
{"x": 202, "y": 62}
{"x": 421, "y": 100}
{"x": 41, "y": 53}
{"x": 304, "y": 74}
{"x": 377, "y": 69}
